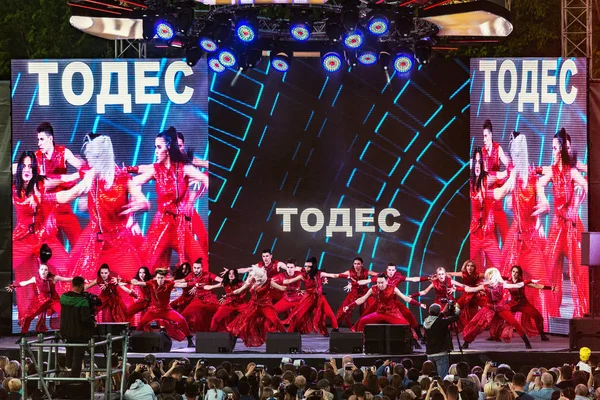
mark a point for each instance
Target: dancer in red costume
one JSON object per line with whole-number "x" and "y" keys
{"x": 230, "y": 304}
{"x": 395, "y": 278}
{"x": 35, "y": 224}
{"x": 160, "y": 293}
{"x": 387, "y": 312}
{"x": 313, "y": 301}
{"x": 46, "y": 300}
{"x": 497, "y": 306}
{"x": 52, "y": 160}
{"x": 564, "y": 239}
{"x": 258, "y": 316}
{"x": 142, "y": 296}
{"x": 113, "y": 307}
{"x": 493, "y": 154}
{"x": 355, "y": 274}
{"x": 272, "y": 267}
{"x": 525, "y": 241}
{"x": 484, "y": 246}
{"x": 444, "y": 287}
{"x": 180, "y": 274}
{"x": 171, "y": 227}
{"x": 469, "y": 303}
{"x": 112, "y": 200}
{"x": 290, "y": 278}
{"x": 203, "y": 307}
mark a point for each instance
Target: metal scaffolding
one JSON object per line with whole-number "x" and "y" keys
{"x": 576, "y": 28}
{"x": 130, "y": 48}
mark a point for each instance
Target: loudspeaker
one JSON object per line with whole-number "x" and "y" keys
{"x": 346, "y": 343}
{"x": 114, "y": 328}
{"x": 584, "y": 332}
{"x": 214, "y": 342}
{"x": 284, "y": 343}
{"x": 150, "y": 342}
{"x": 375, "y": 337}
{"x": 388, "y": 339}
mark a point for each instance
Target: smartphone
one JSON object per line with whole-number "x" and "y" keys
{"x": 286, "y": 360}
{"x": 537, "y": 373}
{"x": 230, "y": 396}
{"x": 348, "y": 367}
{"x": 493, "y": 364}
{"x": 259, "y": 367}
{"x": 298, "y": 363}
{"x": 364, "y": 369}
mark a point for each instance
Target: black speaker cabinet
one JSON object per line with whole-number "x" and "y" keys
{"x": 150, "y": 342}
{"x": 388, "y": 339}
{"x": 375, "y": 338}
{"x": 584, "y": 332}
{"x": 284, "y": 343}
{"x": 214, "y": 342}
{"x": 346, "y": 343}
{"x": 114, "y": 328}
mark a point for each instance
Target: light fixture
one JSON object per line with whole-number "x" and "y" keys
{"x": 332, "y": 61}
{"x": 228, "y": 57}
{"x": 378, "y": 25}
{"x": 215, "y": 65}
{"x": 164, "y": 30}
{"x": 250, "y": 58}
{"x": 403, "y": 61}
{"x": 351, "y": 58}
{"x": 423, "y": 51}
{"x": 367, "y": 56}
{"x": 280, "y": 59}
{"x": 354, "y": 39}
{"x": 385, "y": 59}
{"x": 193, "y": 55}
{"x": 404, "y": 21}
{"x": 333, "y": 28}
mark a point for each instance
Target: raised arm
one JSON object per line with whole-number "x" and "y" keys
{"x": 278, "y": 286}
{"x": 194, "y": 174}
{"x": 93, "y": 283}
{"x": 82, "y": 187}
{"x": 503, "y": 157}
{"x": 458, "y": 284}
{"x": 58, "y": 278}
{"x": 474, "y": 289}
{"x": 135, "y": 282}
{"x": 329, "y": 275}
{"x": 144, "y": 177}
{"x": 71, "y": 159}
{"x": 408, "y": 299}
{"x": 12, "y": 287}
{"x": 501, "y": 192}
{"x": 514, "y": 285}
{"x": 137, "y": 200}
{"x": 579, "y": 179}
{"x": 241, "y": 289}
{"x": 423, "y": 292}
{"x": 292, "y": 280}
{"x": 362, "y": 299}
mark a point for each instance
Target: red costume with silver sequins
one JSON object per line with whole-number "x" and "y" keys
{"x": 45, "y": 301}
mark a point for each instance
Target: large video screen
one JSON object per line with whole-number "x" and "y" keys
{"x": 102, "y": 157}
{"x": 528, "y": 187}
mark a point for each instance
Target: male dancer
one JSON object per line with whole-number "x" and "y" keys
{"x": 202, "y": 308}
{"x": 271, "y": 267}
{"x": 355, "y": 274}
{"x": 290, "y": 278}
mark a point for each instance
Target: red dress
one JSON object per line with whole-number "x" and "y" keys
{"x": 228, "y": 309}
{"x": 564, "y": 239}
{"x": 32, "y": 228}
{"x": 531, "y": 319}
{"x": 483, "y": 242}
{"x": 171, "y": 228}
{"x": 54, "y": 167}
{"x": 203, "y": 307}
{"x": 292, "y": 294}
{"x": 470, "y": 303}
{"x": 491, "y": 161}
{"x": 356, "y": 291}
{"x": 46, "y": 301}
{"x": 524, "y": 246}
{"x": 312, "y": 301}
{"x": 106, "y": 239}
{"x": 180, "y": 303}
{"x": 198, "y": 227}
{"x": 272, "y": 271}
{"x": 142, "y": 302}
{"x": 160, "y": 309}
{"x": 387, "y": 312}
{"x": 113, "y": 308}
{"x": 444, "y": 291}
{"x": 257, "y": 317}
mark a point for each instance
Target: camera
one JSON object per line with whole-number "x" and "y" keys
{"x": 315, "y": 395}
{"x": 93, "y": 301}
{"x": 298, "y": 363}
{"x": 286, "y": 360}
{"x": 259, "y": 367}
{"x": 348, "y": 367}
{"x": 537, "y": 373}
{"x": 230, "y": 396}
{"x": 493, "y": 364}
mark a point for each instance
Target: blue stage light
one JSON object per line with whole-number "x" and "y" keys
{"x": 215, "y": 65}
{"x": 332, "y": 61}
{"x": 367, "y": 57}
{"x": 354, "y": 39}
{"x": 300, "y": 31}
{"x": 378, "y": 25}
{"x": 280, "y": 61}
{"x": 164, "y": 30}
{"x": 245, "y": 31}
{"x": 403, "y": 62}
{"x": 227, "y": 58}
{"x": 208, "y": 45}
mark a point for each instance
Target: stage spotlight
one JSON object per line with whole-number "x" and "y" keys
{"x": 351, "y": 58}
{"x": 246, "y": 29}
{"x": 367, "y": 56}
{"x": 228, "y": 57}
{"x": 280, "y": 60}
{"x": 378, "y": 25}
{"x": 404, "y": 22}
{"x": 193, "y": 55}
{"x": 333, "y": 28}
{"x": 354, "y": 39}
{"x": 221, "y": 28}
{"x": 350, "y": 17}
{"x": 300, "y": 30}
{"x": 403, "y": 61}
{"x": 215, "y": 65}
{"x": 332, "y": 61}
{"x": 384, "y": 59}
{"x": 208, "y": 44}
{"x": 164, "y": 30}
{"x": 423, "y": 51}
{"x": 185, "y": 18}
{"x": 250, "y": 58}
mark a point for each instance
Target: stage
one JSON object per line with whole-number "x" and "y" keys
{"x": 315, "y": 350}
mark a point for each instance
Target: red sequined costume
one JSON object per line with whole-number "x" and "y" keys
{"x": 491, "y": 160}
{"x": 387, "y": 312}
{"x": 54, "y": 167}
{"x": 171, "y": 228}
{"x": 180, "y": 303}
{"x": 257, "y": 317}
{"x": 46, "y": 301}
{"x": 470, "y": 303}
{"x": 272, "y": 271}
{"x": 228, "y": 309}
{"x": 313, "y": 301}
{"x": 443, "y": 291}
{"x": 484, "y": 248}
{"x": 107, "y": 239}
{"x": 524, "y": 246}
{"x": 497, "y": 306}
{"x": 198, "y": 228}
{"x": 32, "y": 228}
{"x": 113, "y": 308}
{"x": 176, "y": 325}
{"x": 141, "y": 303}
{"x": 356, "y": 291}
{"x": 292, "y": 294}
{"x": 203, "y": 307}
{"x": 564, "y": 239}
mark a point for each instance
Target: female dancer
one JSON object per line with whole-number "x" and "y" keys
{"x": 355, "y": 274}
{"x": 313, "y": 301}
{"x": 142, "y": 295}
{"x": 35, "y": 224}
{"x": 171, "y": 228}
{"x": 564, "y": 239}
{"x": 469, "y": 303}
{"x": 46, "y": 300}
{"x": 258, "y": 316}
{"x": 109, "y": 236}
{"x": 180, "y": 274}
{"x": 113, "y": 308}
{"x": 524, "y": 242}
{"x": 497, "y": 305}
{"x": 484, "y": 246}
{"x": 230, "y": 303}
{"x": 444, "y": 287}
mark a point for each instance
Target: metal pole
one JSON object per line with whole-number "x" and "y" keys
{"x": 123, "y": 364}
{"x": 91, "y": 377}
{"x": 23, "y": 369}
{"x": 108, "y": 385}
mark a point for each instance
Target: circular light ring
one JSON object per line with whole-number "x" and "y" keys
{"x": 300, "y": 32}
{"x": 353, "y": 40}
{"x": 215, "y": 65}
{"x": 280, "y": 64}
{"x": 245, "y": 33}
{"x": 227, "y": 58}
{"x": 208, "y": 45}
{"x": 332, "y": 62}
{"x": 367, "y": 58}
{"x": 164, "y": 31}
{"x": 403, "y": 63}
{"x": 378, "y": 26}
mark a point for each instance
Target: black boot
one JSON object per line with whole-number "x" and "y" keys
{"x": 335, "y": 330}
{"x": 190, "y": 341}
{"x": 21, "y": 336}
{"x": 526, "y": 341}
{"x": 416, "y": 344}
{"x": 544, "y": 337}
{"x": 465, "y": 345}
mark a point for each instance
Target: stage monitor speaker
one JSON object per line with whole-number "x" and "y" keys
{"x": 375, "y": 338}
{"x": 214, "y": 342}
{"x": 150, "y": 342}
{"x": 346, "y": 343}
{"x": 584, "y": 332}
{"x": 284, "y": 343}
{"x": 114, "y": 328}
{"x": 388, "y": 339}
